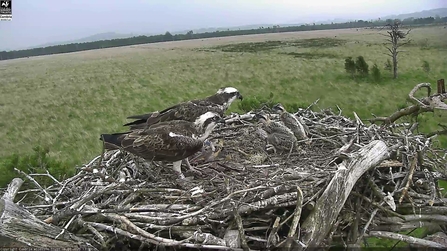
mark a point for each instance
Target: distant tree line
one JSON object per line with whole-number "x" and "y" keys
{"x": 4, "y": 55}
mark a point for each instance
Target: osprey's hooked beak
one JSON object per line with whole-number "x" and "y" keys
{"x": 239, "y": 96}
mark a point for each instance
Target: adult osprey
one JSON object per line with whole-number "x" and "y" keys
{"x": 293, "y": 122}
{"x": 170, "y": 141}
{"x": 278, "y": 136}
{"x": 189, "y": 110}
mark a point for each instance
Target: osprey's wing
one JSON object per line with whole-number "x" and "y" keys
{"x": 181, "y": 111}
{"x": 186, "y": 127}
{"x": 140, "y": 120}
{"x": 188, "y": 111}
{"x": 165, "y": 143}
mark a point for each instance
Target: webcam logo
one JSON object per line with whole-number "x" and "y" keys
{"x": 5, "y": 10}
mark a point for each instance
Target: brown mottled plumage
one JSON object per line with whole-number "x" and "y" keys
{"x": 280, "y": 142}
{"x": 293, "y": 122}
{"x": 170, "y": 141}
{"x": 272, "y": 126}
{"x": 189, "y": 110}
{"x": 278, "y": 136}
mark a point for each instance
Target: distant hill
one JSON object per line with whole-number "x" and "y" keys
{"x": 329, "y": 21}
{"x": 93, "y": 38}
{"x": 104, "y": 36}
{"x": 441, "y": 12}
{"x": 213, "y": 29}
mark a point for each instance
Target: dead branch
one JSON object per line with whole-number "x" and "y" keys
{"x": 12, "y": 189}
{"x": 20, "y": 228}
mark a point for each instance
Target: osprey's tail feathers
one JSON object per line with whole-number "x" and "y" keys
{"x": 144, "y": 120}
{"x": 112, "y": 141}
{"x": 141, "y": 116}
{"x": 140, "y": 119}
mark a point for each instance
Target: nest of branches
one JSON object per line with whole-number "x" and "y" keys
{"x": 351, "y": 182}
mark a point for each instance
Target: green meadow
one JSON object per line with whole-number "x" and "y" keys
{"x": 63, "y": 102}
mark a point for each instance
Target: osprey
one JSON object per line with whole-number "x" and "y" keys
{"x": 293, "y": 122}
{"x": 170, "y": 141}
{"x": 279, "y": 142}
{"x": 272, "y": 126}
{"x": 189, "y": 110}
{"x": 278, "y": 136}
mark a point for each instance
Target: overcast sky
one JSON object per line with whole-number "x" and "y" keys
{"x": 43, "y": 21}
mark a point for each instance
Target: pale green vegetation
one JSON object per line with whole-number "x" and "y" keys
{"x": 65, "y": 101}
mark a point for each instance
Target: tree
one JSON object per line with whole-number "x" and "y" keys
{"x": 426, "y": 66}
{"x": 168, "y": 36}
{"x": 376, "y": 73}
{"x": 190, "y": 34}
{"x": 395, "y": 37}
{"x": 350, "y": 66}
{"x": 361, "y": 66}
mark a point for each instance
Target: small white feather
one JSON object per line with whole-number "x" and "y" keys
{"x": 171, "y": 134}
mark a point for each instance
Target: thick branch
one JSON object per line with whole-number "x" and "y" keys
{"x": 22, "y": 228}
{"x": 319, "y": 222}
{"x": 415, "y": 89}
{"x": 12, "y": 189}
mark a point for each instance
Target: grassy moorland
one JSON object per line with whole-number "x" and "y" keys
{"x": 63, "y": 102}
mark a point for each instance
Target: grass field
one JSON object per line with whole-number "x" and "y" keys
{"x": 65, "y": 101}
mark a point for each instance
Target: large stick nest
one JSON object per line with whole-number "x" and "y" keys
{"x": 121, "y": 201}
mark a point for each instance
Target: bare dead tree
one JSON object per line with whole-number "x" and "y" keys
{"x": 395, "y": 38}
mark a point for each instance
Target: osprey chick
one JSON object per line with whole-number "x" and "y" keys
{"x": 293, "y": 122}
{"x": 170, "y": 141}
{"x": 272, "y": 126}
{"x": 279, "y": 137}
